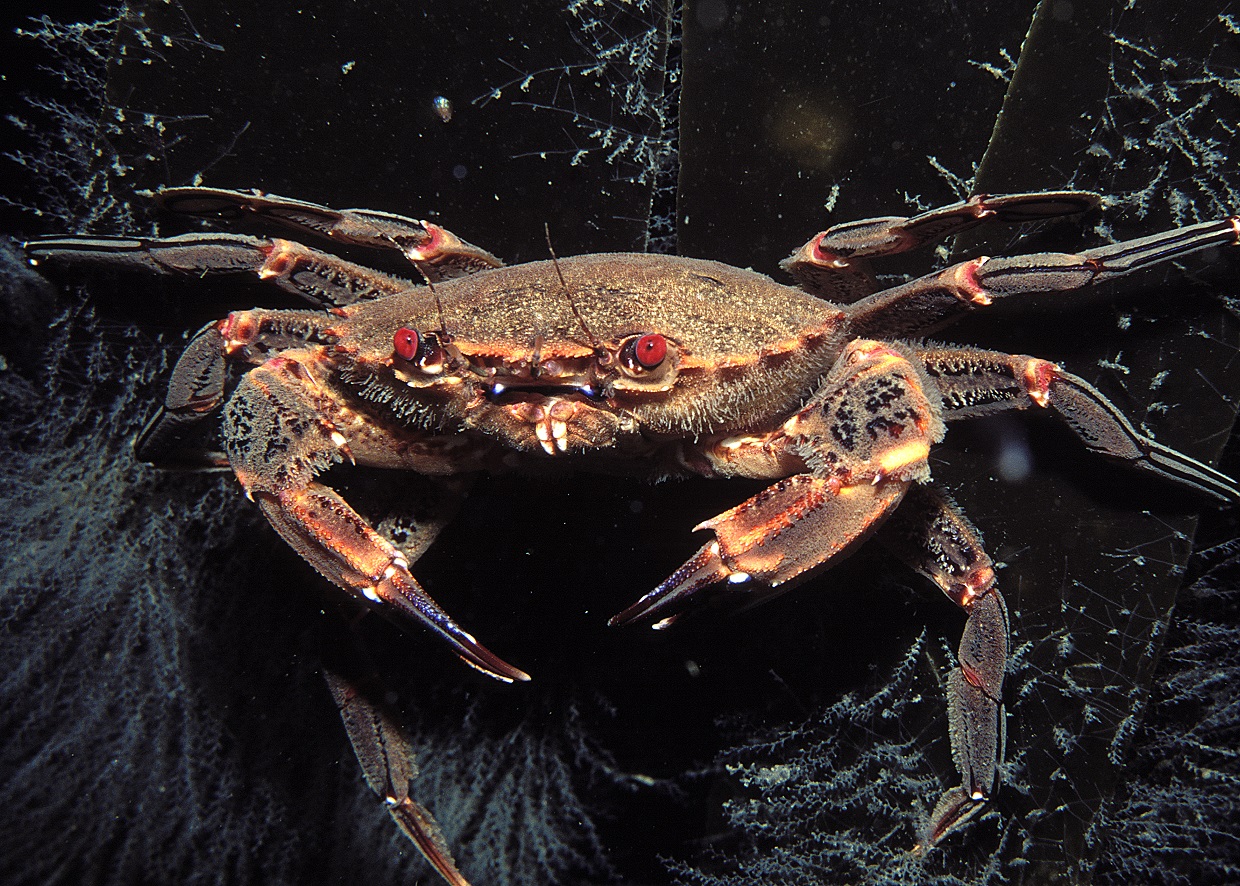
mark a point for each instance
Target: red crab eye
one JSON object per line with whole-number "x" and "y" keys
{"x": 645, "y": 352}
{"x": 406, "y": 343}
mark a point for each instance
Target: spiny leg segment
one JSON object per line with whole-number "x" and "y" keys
{"x": 436, "y": 251}
{"x": 196, "y": 388}
{"x": 320, "y": 277}
{"x": 387, "y": 763}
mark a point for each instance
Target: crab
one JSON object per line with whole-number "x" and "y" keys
{"x": 646, "y": 365}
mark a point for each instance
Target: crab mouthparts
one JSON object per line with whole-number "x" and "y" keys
{"x": 550, "y": 391}
{"x": 549, "y": 416}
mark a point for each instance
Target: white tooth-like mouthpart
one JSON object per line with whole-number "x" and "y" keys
{"x": 369, "y": 593}
{"x": 338, "y": 439}
{"x": 548, "y": 446}
{"x": 542, "y": 432}
{"x": 559, "y": 430}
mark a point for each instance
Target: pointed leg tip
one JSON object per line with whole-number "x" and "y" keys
{"x": 631, "y": 615}
{"x": 955, "y": 808}
{"x": 482, "y": 659}
{"x": 420, "y": 827}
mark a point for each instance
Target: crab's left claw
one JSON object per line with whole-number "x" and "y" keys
{"x": 856, "y": 476}
{"x": 771, "y": 542}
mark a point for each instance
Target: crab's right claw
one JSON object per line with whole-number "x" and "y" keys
{"x": 402, "y": 592}
{"x": 331, "y": 537}
{"x": 325, "y": 530}
{"x": 270, "y": 410}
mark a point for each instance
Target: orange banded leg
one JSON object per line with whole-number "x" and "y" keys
{"x": 931, "y": 535}
{"x": 436, "y": 251}
{"x": 929, "y": 303}
{"x": 832, "y": 264}
{"x": 319, "y": 277}
{"x": 975, "y": 382}
{"x": 277, "y": 443}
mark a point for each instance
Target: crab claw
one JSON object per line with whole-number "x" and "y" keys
{"x": 771, "y": 542}
{"x": 402, "y": 591}
{"x": 702, "y": 570}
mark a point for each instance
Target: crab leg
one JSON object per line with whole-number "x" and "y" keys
{"x": 196, "y": 388}
{"x": 931, "y": 302}
{"x": 319, "y": 277}
{"x": 974, "y": 382}
{"x": 277, "y": 442}
{"x": 863, "y": 439}
{"x": 931, "y": 535}
{"x": 832, "y": 263}
{"x": 387, "y": 764}
{"x": 438, "y": 252}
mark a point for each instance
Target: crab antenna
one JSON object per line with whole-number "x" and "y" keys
{"x": 443, "y": 327}
{"x": 594, "y": 342}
